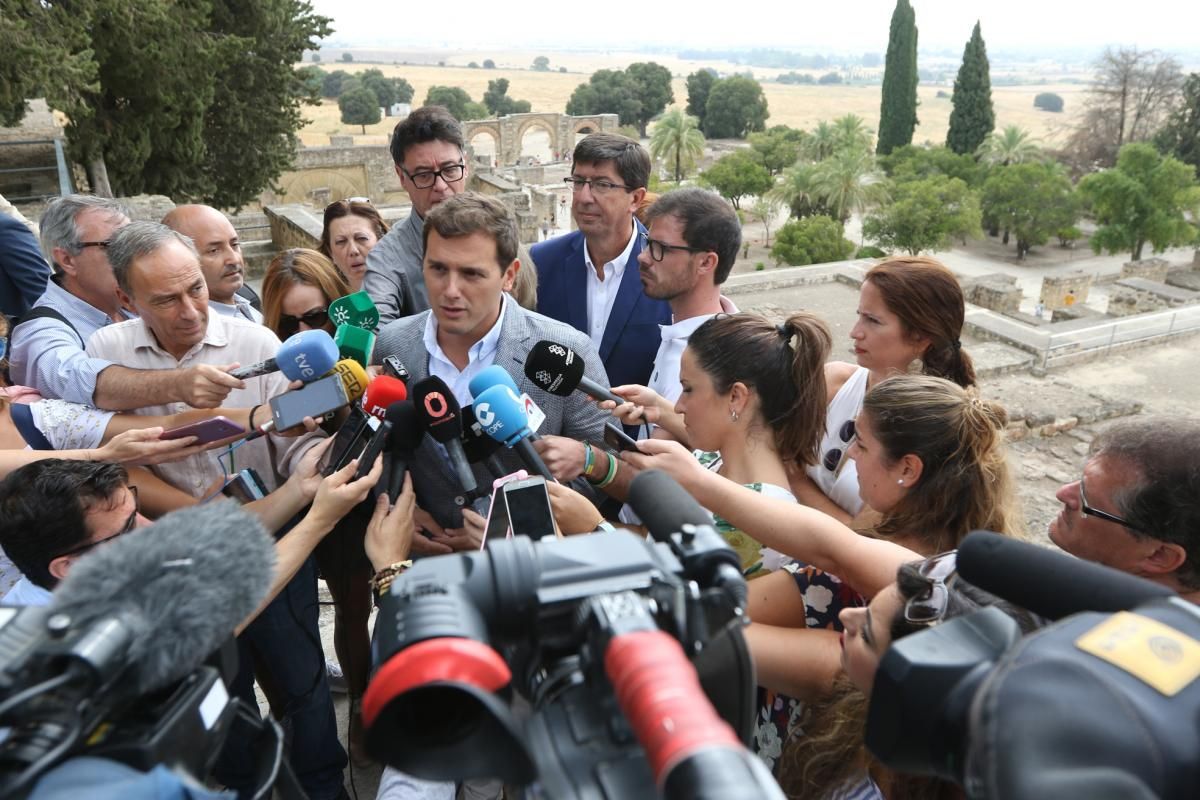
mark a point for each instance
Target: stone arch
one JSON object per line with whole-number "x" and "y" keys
{"x": 305, "y": 185}
{"x": 541, "y": 150}
{"x": 477, "y": 136}
{"x": 508, "y": 132}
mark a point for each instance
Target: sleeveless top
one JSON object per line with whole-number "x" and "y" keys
{"x": 841, "y": 484}
{"x": 757, "y": 559}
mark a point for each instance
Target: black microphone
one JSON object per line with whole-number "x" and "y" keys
{"x": 478, "y": 446}
{"x": 1049, "y": 583}
{"x": 405, "y": 438}
{"x": 558, "y": 369}
{"x": 663, "y": 505}
{"x": 171, "y": 593}
{"x": 441, "y": 417}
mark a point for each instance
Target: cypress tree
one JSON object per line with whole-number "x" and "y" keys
{"x": 973, "y": 117}
{"x": 898, "y": 111}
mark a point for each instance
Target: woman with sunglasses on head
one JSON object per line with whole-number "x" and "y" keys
{"x": 910, "y": 311}
{"x": 931, "y": 461}
{"x": 352, "y": 229}
{"x": 297, "y": 290}
{"x": 830, "y": 760}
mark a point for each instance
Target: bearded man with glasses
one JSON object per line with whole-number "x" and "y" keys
{"x": 427, "y": 148}
{"x": 589, "y": 277}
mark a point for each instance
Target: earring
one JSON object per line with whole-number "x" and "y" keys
{"x": 733, "y": 416}
{"x": 900, "y": 482}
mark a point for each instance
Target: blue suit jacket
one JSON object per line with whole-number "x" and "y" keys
{"x": 23, "y": 271}
{"x": 631, "y": 335}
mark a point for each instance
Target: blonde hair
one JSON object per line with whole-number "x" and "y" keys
{"x": 965, "y": 482}
{"x": 525, "y": 286}
{"x": 299, "y": 266}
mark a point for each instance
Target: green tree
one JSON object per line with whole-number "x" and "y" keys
{"x": 312, "y": 80}
{"x": 1011, "y": 146}
{"x": 851, "y": 133}
{"x": 359, "y": 106}
{"x": 332, "y": 83}
{"x": 472, "y": 65}
{"x": 652, "y": 85}
{"x": 347, "y": 57}
{"x": 800, "y": 191}
{"x": 1180, "y": 137}
{"x": 736, "y": 175}
{"x": 898, "y": 109}
{"x": 316, "y": 58}
{"x": 456, "y": 101}
{"x": 677, "y": 142}
{"x": 912, "y": 162}
{"x": 764, "y": 211}
{"x": 813, "y": 240}
{"x": 1146, "y": 198}
{"x": 823, "y": 142}
{"x": 972, "y": 117}
{"x": 1033, "y": 200}
{"x": 778, "y": 147}
{"x": 47, "y": 53}
{"x": 489, "y": 63}
{"x": 383, "y": 88}
{"x": 849, "y": 182}
{"x": 608, "y": 91}
{"x": 926, "y": 214}
{"x": 498, "y": 102}
{"x": 736, "y": 107}
{"x": 541, "y": 64}
{"x": 1048, "y": 101}
{"x": 404, "y": 90}
{"x": 699, "y": 84}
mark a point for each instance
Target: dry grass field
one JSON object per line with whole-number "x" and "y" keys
{"x": 797, "y": 106}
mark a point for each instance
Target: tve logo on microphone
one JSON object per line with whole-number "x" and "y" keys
{"x": 306, "y": 370}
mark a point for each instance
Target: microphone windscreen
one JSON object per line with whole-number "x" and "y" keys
{"x": 354, "y": 378}
{"x": 307, "y": 355}
{"x": 495, "y": 375}
{"x": 355, "y": 343}
{"x": 407, "y": 430}
{"x": 663, "y": 505}
{"x": 382, "y": 391}
{"x": 438, "y": 409}
{"x": 183, "y": 584}
{"x": 501, "y": 414}
{"x": 555, "y": 368}
{"x": 476, "y": 444}
{"x": 356, "y": 310}
{"x": 1048, "y": 582}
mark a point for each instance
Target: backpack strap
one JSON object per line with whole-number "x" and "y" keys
{"x": 45, "y": 312}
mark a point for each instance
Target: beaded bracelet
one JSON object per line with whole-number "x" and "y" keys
{"x": 381, "y": 581}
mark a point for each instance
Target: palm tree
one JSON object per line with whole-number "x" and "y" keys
{"x": 1013, "y": 146}
{"x": 677, "y": 140}
{"x": 822, "y": 142}
{"x": 849, "y": 182}
{"x": 851, "y": 133}
{"x": 797, "y": 190}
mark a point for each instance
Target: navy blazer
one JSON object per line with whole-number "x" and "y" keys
{"x": 631, "y": 335}
{"x": 23, "y": 271}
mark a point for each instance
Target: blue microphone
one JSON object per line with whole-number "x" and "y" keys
{"x": 501, "y": 415}
{"x": 492, "y": 376}
{"x": 305, "y": 356}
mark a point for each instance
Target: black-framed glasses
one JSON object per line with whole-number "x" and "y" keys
{"x": 101, "y": 245}
{"x": 424, "y": 180}
{"x": 930, "y": 605}
{"x": 316, "y": 318}
{"x": 598, "y": 185}
{"x": 658, "y": 250}
{"x": 835, "y": 456}
{"x": 1088, "y": 511}
{"x": 129, "y": 525}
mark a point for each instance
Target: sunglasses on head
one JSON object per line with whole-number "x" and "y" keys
{"x": 313, "y": 319}
{"x": 929, "y": 606}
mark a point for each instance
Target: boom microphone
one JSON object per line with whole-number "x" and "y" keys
{"x": 303, "y": 357}
{"x": 382, "y": 391}
{"x": 558, "y": 369}
{"x": 663, "y": 505}
{"x": 441, "y": 417}
{"x": 501, "y": 414}
{"x": 177, "y": 588}
{"x": 1049, "y": 583}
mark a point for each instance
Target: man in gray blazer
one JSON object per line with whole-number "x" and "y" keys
{"x": 470, "y": 243}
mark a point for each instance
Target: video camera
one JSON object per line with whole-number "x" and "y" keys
{"x": 1097, "y": 705}
{"x": 625, "y": 656}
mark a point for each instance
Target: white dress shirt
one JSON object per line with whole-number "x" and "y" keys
{"x": 480, "y": 356}
{"x": 240, "y": 308}
{"x": 665, "y": 377}
{"x": 602, "y": 294}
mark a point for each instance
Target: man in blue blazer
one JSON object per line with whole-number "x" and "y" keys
{"x": 589, "y": 278}
{"x": 23, "y": 271}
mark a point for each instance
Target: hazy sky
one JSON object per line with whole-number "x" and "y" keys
{"x": 849, "y": 25}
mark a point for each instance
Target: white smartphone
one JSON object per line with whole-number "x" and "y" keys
{"x": 497, "y": 522}
{"x": 528, "y": 505}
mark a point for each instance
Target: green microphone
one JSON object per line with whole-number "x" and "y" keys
{"x": 355, "y": 343}
{"x": 355, "y": 310}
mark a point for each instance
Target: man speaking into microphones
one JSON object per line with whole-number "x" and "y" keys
{"x": 469, "y": 267}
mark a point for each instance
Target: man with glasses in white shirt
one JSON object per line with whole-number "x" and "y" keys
{"x": 427, "y": 148}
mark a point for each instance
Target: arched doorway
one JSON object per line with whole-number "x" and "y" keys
{"x": 537, "y": 144}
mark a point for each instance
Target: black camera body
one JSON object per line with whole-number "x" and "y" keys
{"x": 572, "y": 668}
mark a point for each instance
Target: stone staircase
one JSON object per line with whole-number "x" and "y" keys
{"x": 257, "y": 247}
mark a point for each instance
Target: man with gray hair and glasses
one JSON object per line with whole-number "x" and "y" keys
{"x": 48, "y": 346}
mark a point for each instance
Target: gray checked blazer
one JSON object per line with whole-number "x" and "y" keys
{"x": 575, "y": 417}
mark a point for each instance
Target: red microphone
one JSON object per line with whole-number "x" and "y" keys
{"x": 381, "y": 393}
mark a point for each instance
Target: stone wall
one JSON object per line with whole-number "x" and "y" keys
{"x": 294, "y": 226}
{"x": 1151, "y": 269}
{"x": 1063, "y": 291}
{"x": 42, "y": 178}
{"x": 1138, "y": 296}
{"x": 997, "y": 291}
{"x": 321, "y": 175}
{"x": 508, "y": 131}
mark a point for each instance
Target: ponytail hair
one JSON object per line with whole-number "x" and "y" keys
{"x": 927, "y": 298}
{"x": 783, "y": 364}
{"x": 965, "y": 482}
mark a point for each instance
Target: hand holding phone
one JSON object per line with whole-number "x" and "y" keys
{"x": 528, "y": 505}
{"x": 206, "y": 431}
{"x": 618, "y": 440}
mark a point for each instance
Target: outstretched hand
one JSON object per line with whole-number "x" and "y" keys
{"x": 142, "y": 447}
{"x": 390, "y": 532}
{"x": 338, "y": 494}
{"x": 670, "y": 457}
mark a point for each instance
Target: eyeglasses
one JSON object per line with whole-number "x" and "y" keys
{"x": 129, "y": 525}
{"x": 1088, "y": 511}
{"x": 313, "y": 319}
{"x": 835, "y": 456}
{"x": 103, "y": 245}
{"x": 424, "y": 180}
{"x": 930, "y": 606}
{"x": 658, "y": 250}
{"x": 598, "y": 185}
